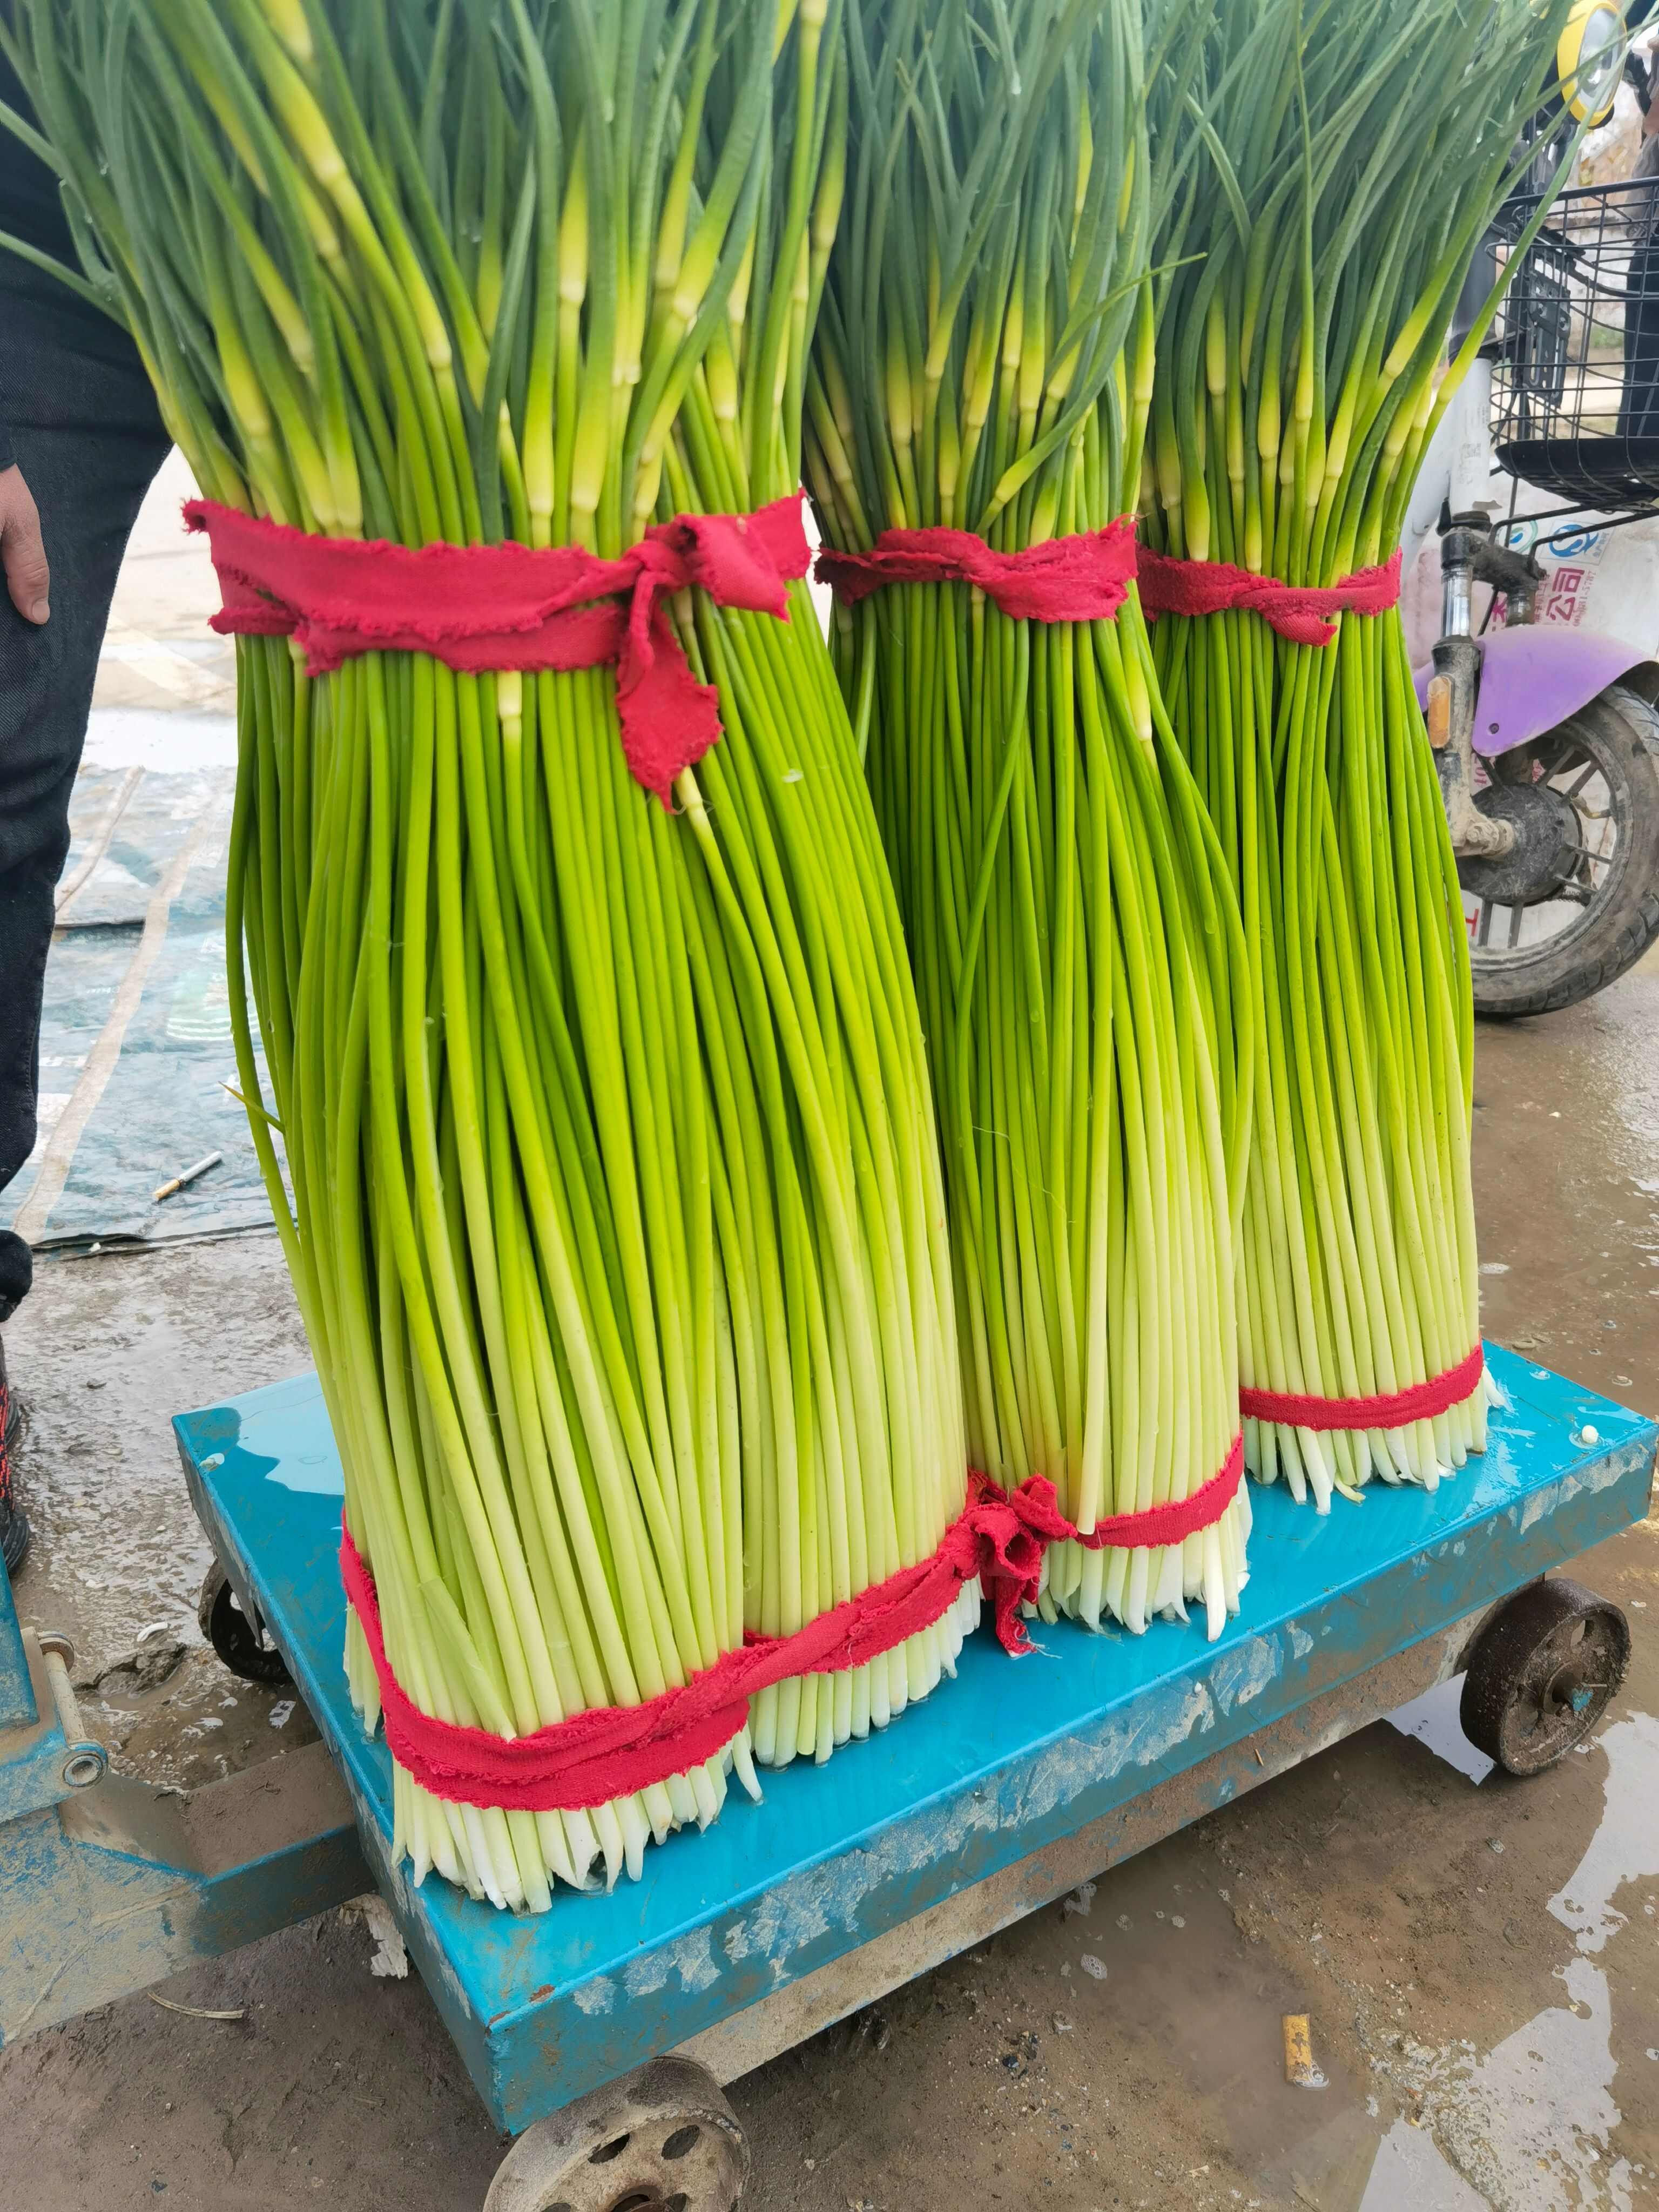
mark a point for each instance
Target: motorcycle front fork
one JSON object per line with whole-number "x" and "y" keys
{"x": 1467, "y": 555}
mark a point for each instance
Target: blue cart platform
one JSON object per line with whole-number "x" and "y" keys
{"x": 1009, "y": 1785}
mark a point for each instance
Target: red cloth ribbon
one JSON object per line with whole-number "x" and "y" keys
{"x": 1420, "y": 1402}
{"x": 1013, "y": 1572}
{"x": 613, "y": 1751}
{"x": 1299, "y": 612}
{"x": 482, "y": 607}
{"x": 1081, "y": 578}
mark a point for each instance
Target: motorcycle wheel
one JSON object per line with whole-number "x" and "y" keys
{"x": 1538, "y": 955}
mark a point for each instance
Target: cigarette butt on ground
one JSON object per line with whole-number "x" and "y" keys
{"x": 1299, "y": 2068}
{"x": 189, "y": 1175}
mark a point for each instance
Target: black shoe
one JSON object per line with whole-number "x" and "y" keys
{"x": 13, "y": 1529}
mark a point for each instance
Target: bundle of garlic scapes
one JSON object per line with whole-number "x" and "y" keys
{"x": 618, "y": 1227}
{"x": 981, "y": 362}
{"x": 1338, "y": 169}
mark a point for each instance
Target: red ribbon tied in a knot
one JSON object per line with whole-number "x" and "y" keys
{"x": 1301, "y": 613}
{"x": 498, "y": 607}
{"x": 1011, "y": 1529}
{"x": 1080, "y": 578}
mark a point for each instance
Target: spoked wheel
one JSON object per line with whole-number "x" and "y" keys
{"x": 1577, "y": 902}
{"x": 242, "y": 1645}
{"x": 663, "y": 2139}
{"x": 1543, "y": 1674}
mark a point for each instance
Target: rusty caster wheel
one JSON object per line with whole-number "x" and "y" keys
{"x": 1542, "y": 1674}
{"x": 242, "y": 1645}
{"x": 662, "y": 2139}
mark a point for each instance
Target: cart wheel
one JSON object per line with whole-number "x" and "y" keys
{"x": 241, "y": 1643}
{"x": 1542, "y": 1674}
{"x": 662, "y": 2139}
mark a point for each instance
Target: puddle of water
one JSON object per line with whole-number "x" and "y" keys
{"x": 1434, "y": 1719}
{"x": 1532, "y": 2120}
{"x": 1527, "y": 2127}
{"x": 1409, "y": 2170}
{"x": 1627, "y": 1845}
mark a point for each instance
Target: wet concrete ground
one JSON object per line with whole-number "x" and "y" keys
{"x": 1481, "y": 1962}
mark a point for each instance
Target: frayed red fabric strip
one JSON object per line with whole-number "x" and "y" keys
{"x": 480, "y": 608}
{"x": 613, "y": 1752}
{"x": 1421, "y": 1402}
{"x": 1081, "y": 578}
{"x": 1172, "y": 1524}
{"x": 1086, "y": 579}
{"x": 1299, "y": 612}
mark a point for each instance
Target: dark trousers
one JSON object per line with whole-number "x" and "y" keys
{"x": 1639, "y": 410}
{"x": 88, "y": 439}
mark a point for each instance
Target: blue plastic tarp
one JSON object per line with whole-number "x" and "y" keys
{"x": 137, "y": 1067}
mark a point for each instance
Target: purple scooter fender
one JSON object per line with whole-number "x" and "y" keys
{"x": 1535, "y": 676}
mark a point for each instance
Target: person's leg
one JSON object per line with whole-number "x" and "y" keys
{"x": 88, "y": 439}
{"x": 13, "y": 1529}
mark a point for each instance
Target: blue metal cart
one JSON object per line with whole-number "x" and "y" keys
{"x": 600, "y": 2032}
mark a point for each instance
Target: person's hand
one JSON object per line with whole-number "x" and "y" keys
{"x": 22, "y": 555}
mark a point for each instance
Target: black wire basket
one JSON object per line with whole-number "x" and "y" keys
{"x": 1576, "y": 378}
